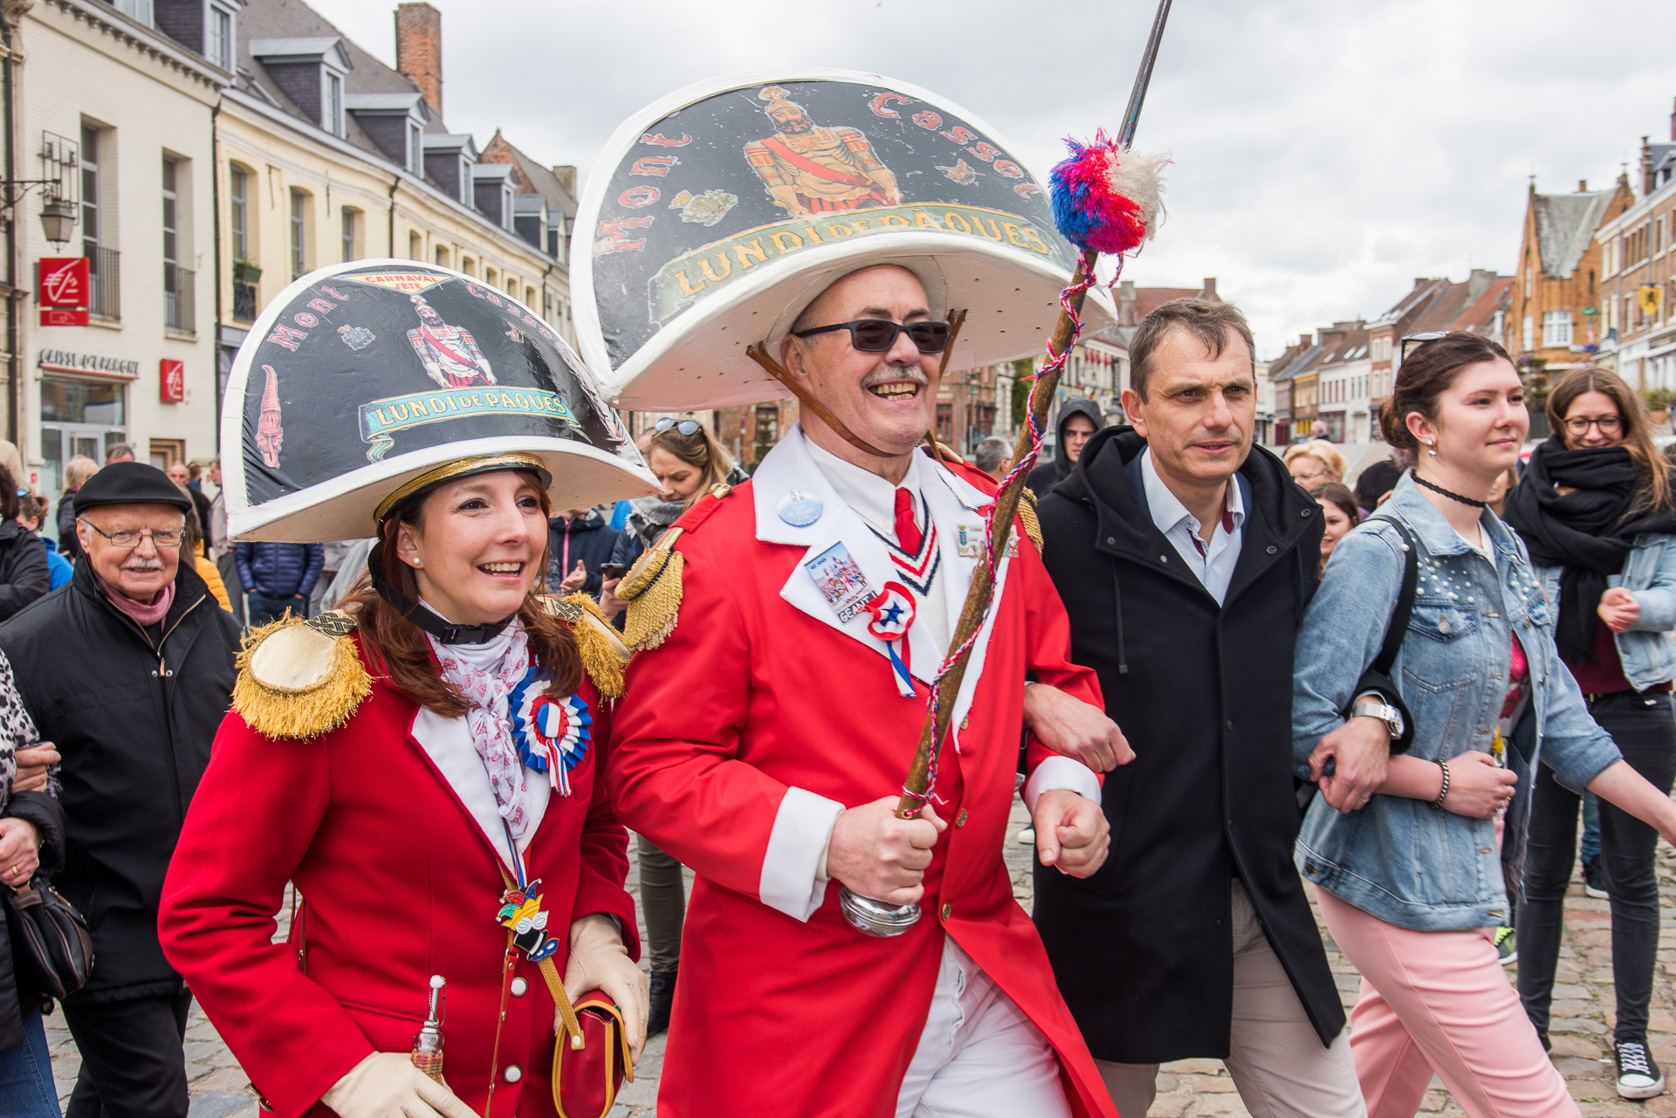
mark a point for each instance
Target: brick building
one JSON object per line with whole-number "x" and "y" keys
{"x": 1555, "y": 309}
{"x": 1638, "y": 274}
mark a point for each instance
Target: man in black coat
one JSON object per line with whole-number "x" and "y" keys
{"x": 578, "y": 543}
{"x": 128, "y": 670}
{"x": 1079, "y": 418}
{"x": 1186, "y": 559}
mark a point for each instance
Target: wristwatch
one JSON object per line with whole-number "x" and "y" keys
{"x": 1390, "y": 715}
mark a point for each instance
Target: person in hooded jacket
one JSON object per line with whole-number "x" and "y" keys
{"x": 1079, "y": 418}
{"x": 578, "y": 543}
{"x": 1186, "y": 556}
{"x": 24, "y": 574}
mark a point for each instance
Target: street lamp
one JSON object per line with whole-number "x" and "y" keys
{"x": 58, "y": 220}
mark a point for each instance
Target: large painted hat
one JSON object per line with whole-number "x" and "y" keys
{"x": 363, "y": 381}
{"x": 719, "y": 213}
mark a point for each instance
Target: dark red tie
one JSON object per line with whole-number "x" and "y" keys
{"x": 907, "y": 531}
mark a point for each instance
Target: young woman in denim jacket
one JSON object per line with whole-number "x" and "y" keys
{"x": 1405, "y": 854}
{"x": 1595, "y": 512}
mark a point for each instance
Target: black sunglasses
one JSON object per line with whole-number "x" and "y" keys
{"x": 1419, "y": 339}
{"x": 877, "y": 335}
{"x": 687, "y": 427}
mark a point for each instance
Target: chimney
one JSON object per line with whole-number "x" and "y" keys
{"x": 1479, "y": 282}
{"x": 1647, "y": 183}
{"x": 1208, "y": 292}
{"x": 419, "y": 49}
{"x": 566, "y": 174}
{"x": 1306, "y": 340}
{"x": 1582, "y": 186}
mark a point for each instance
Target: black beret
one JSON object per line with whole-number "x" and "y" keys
{"x": 130, "y": 483}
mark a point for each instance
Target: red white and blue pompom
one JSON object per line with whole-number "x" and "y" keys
{"x": 1105, "y": 197}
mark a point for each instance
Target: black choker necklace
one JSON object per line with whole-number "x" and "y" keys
{"x": 1418, "y": 480}
{"x": 416, "y": 612}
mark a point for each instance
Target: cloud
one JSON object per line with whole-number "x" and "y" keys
{"x": 1325, "y": 153}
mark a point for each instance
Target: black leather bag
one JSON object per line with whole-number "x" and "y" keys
{"x": 50, "y": 940}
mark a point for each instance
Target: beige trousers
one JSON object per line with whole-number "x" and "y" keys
{"x": 1275, "y": 1058}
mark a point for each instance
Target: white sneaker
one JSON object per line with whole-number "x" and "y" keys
{"x": 1026, "y": 837}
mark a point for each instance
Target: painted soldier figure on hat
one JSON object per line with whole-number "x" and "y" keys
{"x": 809, "y": 169}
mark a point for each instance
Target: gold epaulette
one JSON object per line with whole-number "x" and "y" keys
{"x": 1027, "y": 514}
{"x": 603, "y": 652}
{"x": 300, "y": 679}
{"x": 652, "y": 587}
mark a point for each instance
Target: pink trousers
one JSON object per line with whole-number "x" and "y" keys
{"x": 1440, "y": 1001}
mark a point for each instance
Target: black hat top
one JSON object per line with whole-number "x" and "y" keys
{"x": 130, "y": 483}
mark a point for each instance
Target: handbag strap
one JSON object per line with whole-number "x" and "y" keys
{"x": 1397, "y": 626}
{"x": 555, "y": 983}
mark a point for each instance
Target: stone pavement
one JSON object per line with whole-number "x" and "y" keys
{"x": 1581, "y": 1029}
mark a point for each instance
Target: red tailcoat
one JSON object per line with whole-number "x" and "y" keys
{"x": 396, "y": 864}
{"x": 737, "y": 735}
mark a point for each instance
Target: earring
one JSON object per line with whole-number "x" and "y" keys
{"x": 1432, "y": 449}
{"x": 421, "y": 562}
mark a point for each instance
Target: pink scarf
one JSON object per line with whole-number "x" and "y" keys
{"x": 145, "y": 614}
{"x": 487, "y": 690}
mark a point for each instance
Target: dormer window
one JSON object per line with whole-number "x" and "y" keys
{"x": 415, "y": 148}
{"x": 138, "y": 10}
{"x": 448, "y": 162}
{"x": 465, "y": 179}
{"x": 396, "y": 123}
{"x": 219, "y": 45}
{"x": 311, "y": 73}
{"x": 332, "y": 109}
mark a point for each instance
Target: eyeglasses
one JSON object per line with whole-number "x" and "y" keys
{"x": 688, "y": 427}
{"x": 1608, "y": 424}
{"x": 128, "y": 538}
{"x": 1419, "y": 339}
{"x": 877, "y": 335}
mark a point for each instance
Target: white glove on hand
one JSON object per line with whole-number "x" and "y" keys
{"x": 387, "y": 1085}
{"x": 599, "y": 961}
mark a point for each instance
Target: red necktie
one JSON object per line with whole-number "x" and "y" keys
{"x": 907, "y": 531}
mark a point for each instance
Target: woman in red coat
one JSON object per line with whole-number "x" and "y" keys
{"x": 400, "y": 761}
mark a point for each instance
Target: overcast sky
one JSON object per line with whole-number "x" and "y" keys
{"x": 1326, "y": 152}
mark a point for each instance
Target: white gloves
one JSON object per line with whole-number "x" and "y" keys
{"x": 599, "y": 961}
{"x": 387, "y": 1085}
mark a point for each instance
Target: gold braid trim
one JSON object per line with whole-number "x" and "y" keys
{"x": 1027, "y": 514}
{"x": 300, "y": 679}
{"x": 652, "y": 589}
{"x": 603, "y": 652}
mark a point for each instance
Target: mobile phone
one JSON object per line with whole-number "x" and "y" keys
{"x": 613, "y": 570}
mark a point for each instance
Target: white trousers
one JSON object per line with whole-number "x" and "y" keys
{"x": 979, "y": 1056}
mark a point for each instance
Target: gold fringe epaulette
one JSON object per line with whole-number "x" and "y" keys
{"x": 300, "y": 679}
{"x": 1027, "y": 514}
{"x": 652, "y": 589}
{"x": 603, "y": 652}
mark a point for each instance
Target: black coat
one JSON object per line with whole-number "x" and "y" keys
{"x": 1056, "y": 469}
{"x": 1143, "y": 950}
{"x": 133, "y": 714}
{"x": 590, "y": 541}
{"x": 18, "y": 992}
{"x": 24, "y": 574}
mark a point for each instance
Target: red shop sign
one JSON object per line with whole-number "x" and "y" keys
{"x": 62, "y": 281}
{"x": 172, "y": 382}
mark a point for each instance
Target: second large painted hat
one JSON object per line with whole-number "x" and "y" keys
{"x": 363, "y": 380}
{"x": 718, "y": 213}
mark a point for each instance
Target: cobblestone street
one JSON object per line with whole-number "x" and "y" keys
{"x": 1189, "y": 1088}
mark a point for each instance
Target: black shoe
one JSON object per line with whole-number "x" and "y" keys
{"x": 1639, "y": 1076}
{"x": 663, "y": 1000}
{"x": 1595, "y": 883}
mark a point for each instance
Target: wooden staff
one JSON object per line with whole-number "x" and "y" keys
{"x": 982, "y": 589}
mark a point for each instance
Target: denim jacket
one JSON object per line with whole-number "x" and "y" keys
{"x": 1644, "y": 649}
{"x": 1399, "y": 859}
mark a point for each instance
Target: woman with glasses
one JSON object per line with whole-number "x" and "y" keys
{"x": 1408, "y": 875}
{"x": 24, "y": 574}
{"x": 1595, "y": 511}
{"x": 687, "y": 461}
{"x": 1314, "y": 464}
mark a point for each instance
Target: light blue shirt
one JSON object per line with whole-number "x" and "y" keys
{"x": 1214, "y": 566}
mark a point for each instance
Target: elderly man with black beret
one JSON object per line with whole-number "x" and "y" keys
{"x": 128, "y": 672}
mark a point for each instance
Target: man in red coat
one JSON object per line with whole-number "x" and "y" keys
{"x": 765, "y": 739}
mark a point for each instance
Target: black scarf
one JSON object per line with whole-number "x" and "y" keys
{"x": 1586, "y": 533}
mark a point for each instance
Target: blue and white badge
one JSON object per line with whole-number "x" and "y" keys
{"x": 552, "y": 734}
{"x": 799, "y": 509}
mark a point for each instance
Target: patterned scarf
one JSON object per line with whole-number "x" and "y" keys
{"x": 486, "y": 674}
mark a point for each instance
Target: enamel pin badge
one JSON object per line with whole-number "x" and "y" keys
{"x": 840, "y": 582}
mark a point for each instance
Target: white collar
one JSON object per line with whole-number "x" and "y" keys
{"x": 872, "y": 497}
{"x": 485, "y": 657}
{"x": 1167, "y": 509}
